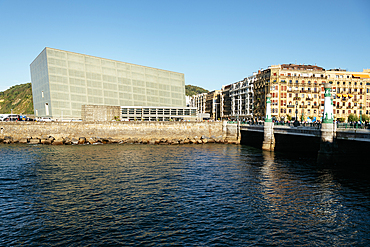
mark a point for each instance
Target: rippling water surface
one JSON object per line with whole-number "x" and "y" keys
{"x": 194, "y": 195}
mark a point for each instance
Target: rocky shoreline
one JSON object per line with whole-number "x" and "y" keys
{"x": 50, "y": 140}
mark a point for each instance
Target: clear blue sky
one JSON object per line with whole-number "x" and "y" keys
{"x": 213, "y": 42}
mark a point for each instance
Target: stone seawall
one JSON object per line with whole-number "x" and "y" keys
{"x": 143, "y": 131}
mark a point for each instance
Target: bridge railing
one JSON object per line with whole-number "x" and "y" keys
{"x": 352, "y": 126}
{"x": 309, "y": 125}
{"x": 246, "y": 122}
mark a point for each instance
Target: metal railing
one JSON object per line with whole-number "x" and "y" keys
{"x": 306, "y": 125}
{"x": 353, "y": 126}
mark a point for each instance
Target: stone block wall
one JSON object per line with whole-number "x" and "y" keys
{"x": 114, "y": 129}
{"x": 99, "y": 112}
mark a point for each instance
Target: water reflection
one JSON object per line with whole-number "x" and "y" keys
{"x": 182, "y": 195}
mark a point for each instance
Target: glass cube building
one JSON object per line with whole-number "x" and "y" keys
{"x": 62, "y": 81}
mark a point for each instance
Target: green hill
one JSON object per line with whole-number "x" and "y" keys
{"x": 191, "y": 90}
{"x": 18, "y": 98}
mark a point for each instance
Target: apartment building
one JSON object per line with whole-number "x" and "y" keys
{"x": 351, "y": 92}
{"x": 295, "y": 90}
{"x": 199, "y": 101}
{"x": 241, "y": 95}
{"x": 213, "y": 104}
{"x": 225, "y": 102}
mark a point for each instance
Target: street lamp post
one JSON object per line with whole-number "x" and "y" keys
{"x": 296, "y": 122}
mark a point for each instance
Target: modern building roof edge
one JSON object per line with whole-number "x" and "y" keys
{"x": 111, "y": 60}
{"x": 38, "y": 56}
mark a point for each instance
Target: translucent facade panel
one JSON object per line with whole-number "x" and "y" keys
{"x": 124, "y": 88}
{"x": 163, "y": 73}
{"x": 109, "y": 71}
{"x": 123, "y": 66}
{"x": 164, "y": 87}
{"x": 93, "y": 76}
{"x": 108, "y": 63}
{"x": 79, "y": 90}
{"x": 109, "y": 86}
{"x": 152, "y": 99}
{"x": 76, "y": 65}
{"x": 78, "y": 98}
{"x": 61, "y": 104}
{"x": 163, "y": 80}
{"x": 94, "y": 91}
{"x": 138, "y": 83}
{"x": 59, "y": 87}
{"x": 125, "y": 102}
{"x": 125, "y": 96}
{"x": 58, "y": 79}
{"x": 109, "y": 101}
{"x": 76, "y": 57}
{"x": 122, "y": 73}
{"x": 60, "y": 95}
{"x": 137, "y": 97}
{"x": 57, "y": 54}
{"x": 151, "y": 79}
{"x": 57, "y": 62}
{"x": 124, "y": 81}
{"x": 164, "y": 94}
{"x": 61, "y": 76}
{"x": 76, "y": 106}
{"x": 77, "y": 82}
{"x": 96, "y": 84}
{"x": 176, "y": 102}
{"x": 92, "y": 60}
{"x": 110, "y": 94}
{"x": 177, "y": 76}
{"x": 109, "y": 78}
{"x": 138, "y": 76}
{"x": 150, "y": 71}
{"x": 138, "y": 69}
{"x": 93, "y": 68}
{"x": 76, "y": 73}
{"x": 165, "y": 101}
{"x": 58, "y": 71}
{"x": 176, "y": 95}
{"x": 151, "y": 92}
{"x": 95, "y": 100}
{"x": 138, "y": 90}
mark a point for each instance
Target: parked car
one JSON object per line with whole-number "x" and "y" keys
{"x": 45, "y": 119}
{"x": 11, "y": 117}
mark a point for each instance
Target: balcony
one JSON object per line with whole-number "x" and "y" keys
{"x": 290, "y": 106}
{"x": 303, "y": 106}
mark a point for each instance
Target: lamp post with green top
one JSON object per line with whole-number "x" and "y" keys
{"x": 327, "y": 144}
{"x": 268, "y": 143}
{"x": 268, "y": 117}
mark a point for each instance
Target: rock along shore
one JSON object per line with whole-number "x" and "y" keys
{"x": 50, "y": 140}
{"x": 161, "y": 133}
